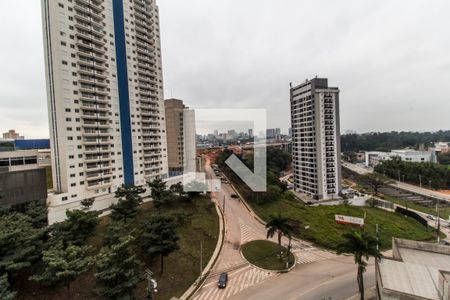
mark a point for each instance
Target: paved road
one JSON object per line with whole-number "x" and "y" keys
{"x": 334, "y": 278}
{"x": 401, "y": 185}
{"x": 241, "y": 227}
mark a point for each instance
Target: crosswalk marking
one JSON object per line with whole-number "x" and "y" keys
{"x": 237, "y": 281}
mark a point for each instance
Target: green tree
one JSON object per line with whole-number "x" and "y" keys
{"x": 444, "y": 158}
{"x": 159, "y": 192}
{"x": 79, "y": 225}
{"x": 362, "y": 246}
{"x": 118, "y": 270}
{"x": 5, "y": 291}
{"x": 159, "y": 236}
{"x": 62, "y": 265}
{"x": 278, "y": 225}
{"x": 129, "y": 199}
{"x": 178, "y": 191}
{"x": 20, "y": 242}
{"x": 116, "y": 230}
{"x": 38, "y": 214}
{"x": 375, "y": 181}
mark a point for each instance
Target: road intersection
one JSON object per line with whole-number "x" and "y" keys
{"x": 241, "y": 227}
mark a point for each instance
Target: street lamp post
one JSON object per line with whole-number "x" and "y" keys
{"x": 429, "y": 184}
{"x": 420, "y": 181}
{"x": 152, "y": 285}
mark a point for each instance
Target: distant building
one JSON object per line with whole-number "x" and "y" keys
{"x": 373, "y": 158}
{"x": 20, "y": 187}
{"x": 250, "y": 133}
{"x": 181, "y": 137}
{"x": 23, "y": 173}
{"x": 442, "y": 147}
{"x": 273, "y": 134}
{"x": 417, "y": 270}
{"x": 316, "y": 139}
{"x": 25, "y": 159}
{"x": 12, "y": 134}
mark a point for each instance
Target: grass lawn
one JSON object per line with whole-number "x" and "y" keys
{"x": 265, "y": 254}
{"x": 181, "y": 268}
{"x": 324, "y": 231}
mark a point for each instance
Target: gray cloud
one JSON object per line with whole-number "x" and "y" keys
{"x": 389, "y": 58}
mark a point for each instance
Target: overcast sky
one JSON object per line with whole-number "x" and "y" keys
{"x": 390, "y": 59}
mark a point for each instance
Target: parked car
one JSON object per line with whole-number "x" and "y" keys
{"x": 223, "y": 279}
{"x": 223, "y": 180}
{"x": 234, "y": 196}
{"x": 445, "y": 243}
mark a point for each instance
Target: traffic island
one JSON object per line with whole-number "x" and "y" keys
{"x": 265, "y": 254}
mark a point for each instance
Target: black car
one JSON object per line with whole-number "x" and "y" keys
{"x": 223, "y": 279}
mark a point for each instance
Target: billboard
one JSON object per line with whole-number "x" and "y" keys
{"x": 349, "y": 220}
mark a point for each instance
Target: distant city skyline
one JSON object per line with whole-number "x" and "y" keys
{"x": 213, "y": 56}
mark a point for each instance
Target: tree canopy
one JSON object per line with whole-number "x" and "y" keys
{"x": 159, "y": 236}
{"x": 118, "y": 270}
{"x": 129, "y": 199}
{"x": 387, "y": 141}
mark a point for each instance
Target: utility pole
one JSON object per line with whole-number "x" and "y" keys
{"x": 201, "y": 257}
{"x": 152, "y": 285}
{"x": 429, "y": 184}
{"x": 438, "y": 227}
{"x": 399, "y": 179}
{"x": 420, "y": 181}
{"x": 376, "y": 226}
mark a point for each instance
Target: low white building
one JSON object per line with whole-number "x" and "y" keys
{"x": 417, "y": 270}
{"x": 373, "y": 158}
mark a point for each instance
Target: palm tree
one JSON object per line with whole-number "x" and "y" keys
{"x": 279, "y": 225}
{"x": 362, "y": 246}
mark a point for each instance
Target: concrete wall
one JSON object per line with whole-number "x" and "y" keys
{"x": 22, "y": 187}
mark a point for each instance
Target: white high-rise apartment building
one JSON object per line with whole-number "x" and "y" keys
{"x": 105, "y": 97}
{"x": 316, "y": 139}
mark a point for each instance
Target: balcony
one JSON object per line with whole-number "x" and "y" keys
{"x": 93, "y": 89}
{"x": 89, "y": 13}
{"x": 88, "y": 46}
{"x": 96, "y": 141}
{"x": 96, "y": 150}
{"x": 91, "y": 64}
{"x": 93, "y": 81}
{"x": 97, "y": 158}
{"x": 96, "y": 134}
{"x": 92, "y": 72}
{"x": 88, "y": 26}
{"x": 94, "y": 116}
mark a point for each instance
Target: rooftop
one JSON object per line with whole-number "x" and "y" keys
{"x": 415, "y": 268}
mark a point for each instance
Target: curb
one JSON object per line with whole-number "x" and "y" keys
{"x": 198, "y": 284}
{"x": 267, "y": 270}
